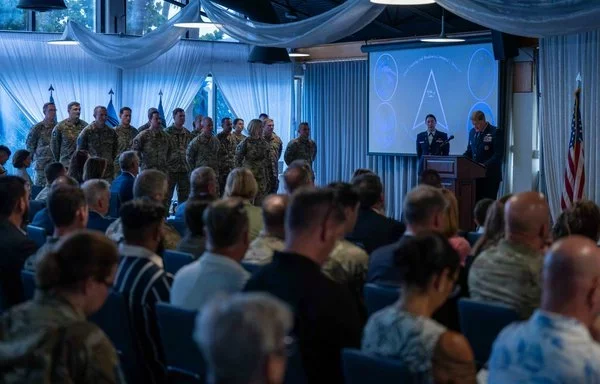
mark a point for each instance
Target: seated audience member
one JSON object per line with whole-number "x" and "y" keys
{"x": 361, "y": 171}
{"x": 347, "y": 264}
{"x": 4, "y": 156}
{"x": 194, "y": 241}
{"x": 203, "y": 186}
{"x": 450, "y": 227}
{"x": 272, "y": 237}
{"x": 493, "y": 232}
{"x": 97, "y": 196}
{"x": 142, "y": 279}
{"x": 52, "y": 340}
{"x": 424, "y": 208}
{"x": 559, "y": 343}
{"x": 242, "y": 184}
{"x": 123, "y": 184}
{"x": 373, "y": 229}
{"x": 94, "y": 168}
{"x": 298, "y": 174}
{"x": 480, "y": 213}
{"x": 428, "y": 267}
{"x": 218, "y": 270}
{"x": 326, "y": 317}
{"x": 52, "y": 172}
{"x": 510, "y": 272}
{"x": 150, "y": 184}
{"x": 42, "y": 218}
{"x": 68, "y": 212}
{"x": 582, "y": 218}
{"x": 257, "y": 325}
{"x": 15, "y": 247}
{"x": 22, "y": 161}
{"x": 77, "y": 164}
{"x": 430, "y": 177}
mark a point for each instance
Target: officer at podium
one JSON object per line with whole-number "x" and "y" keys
{"x": 486, "y": 146}
{"x": 431, "y": 142}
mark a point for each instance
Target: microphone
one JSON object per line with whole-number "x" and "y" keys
{"x": 444, "y": 143}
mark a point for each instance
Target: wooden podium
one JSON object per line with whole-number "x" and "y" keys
{"x": 459, "y": 175}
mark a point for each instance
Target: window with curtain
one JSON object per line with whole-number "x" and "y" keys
{"x": 81, "y": 11}
{"x": 11, "y": 17}
{"x": 202, "y": 101}
{"x": 222, "y": 108}
{"x": 144, "y": 16}
{"x": 14, "y": 126}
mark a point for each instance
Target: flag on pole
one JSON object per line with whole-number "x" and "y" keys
{"x": 112, "y": 119}
{"x": 51, "y": 89}
{"x": 161, "y": 111}
{"x": 575, "y": 171}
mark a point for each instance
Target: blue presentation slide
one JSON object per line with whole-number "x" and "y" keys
{"x": 450, "y": 82}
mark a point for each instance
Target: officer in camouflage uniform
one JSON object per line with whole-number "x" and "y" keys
{"x": 204, "y": 150}
{"x": 125, "y": 135}
{"x": 179, "y": 171}
{"x": 276, "y": 146}
{"x": 238, "y": 128}
{"x": 197, "y": 125}
{"x": 38, "y": 143}
{"x": 302, "y": 148}
{"x": 143, "y": 127}
{"x": 153, "y": 146}
{"x": 227, "y": 152}
{"x": 254, "y": 153}
{"x": 100, "y": 140}
{"x": 64, "y": 135}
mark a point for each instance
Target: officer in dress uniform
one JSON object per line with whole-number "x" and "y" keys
{"x": 431, "y": 142}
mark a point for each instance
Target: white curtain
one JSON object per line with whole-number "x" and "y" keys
{"x": 347, "y": 18}
{"x": 540, "y": 18}
{"x": 561, "y": 59}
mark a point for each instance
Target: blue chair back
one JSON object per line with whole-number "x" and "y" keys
{"x": 115, "y": 205}
{"x": 481, "y": 322}
{"x": 379, "y": 296}
{"x": 472, "y": 237}
{"x": 179, "y": 225}
{"x": 362, "y": 368}
{"x": 28, "y": 280}
{"x": 35, "y": 190}
{"x": 175, "y": 260}
{"x": 37, "y": 234}
{"x": 34, "y": 207}
{"x": 185, "y": 363}
{"x": 251, "y": 267}
{"x": 113, "y": 319}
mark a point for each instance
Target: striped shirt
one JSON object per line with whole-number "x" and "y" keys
{"x": 142, "y": 280}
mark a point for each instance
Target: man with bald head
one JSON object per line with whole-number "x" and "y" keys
{"x": 510, "y": 272}
{"x": 557, "y": 344}
{"x": 298, "y": 174}
{"x": 272, "y": 237}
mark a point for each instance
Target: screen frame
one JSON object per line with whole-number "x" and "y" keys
{"x": 399, "y": 46}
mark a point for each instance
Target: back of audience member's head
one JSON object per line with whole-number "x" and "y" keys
{"x": 226, "y": 226}
{"x": 494, "y": 228}
{"x": 151, "y": 184}
{"x": 241, "y": 183}
{"x": 257, "y": 325}
{"x": 431, "y": 177}
{"x": 64, "y": 180}
{"x": 273, "y": 213}
{"x": 424, "y": 207}
{"x": 5, "y": 150}
{"x": 67, "y": 206}
{"x": 53, "y": 171}
{"x": 361, "y": 171}
{"x": 82, "y": 263}
{"x": 298, "y": 174}
{"x": 480, "y": 211}
{"x": 583, "y": 218}
{"x": 94, "y": 168}
{"x": 194, "y": 211}
{"x": 527, "y": 220}
{"x": 97, "y": 195}
{"x": 450, "y": 227}
{"x": 19, "y": 158}
{"x": 505, "y": 198}
{"x": 203, "y": 181}
{"x": 369, "y": 188}
{"x": 77, "y": 164}
{"x": 129, "y": 162}
{"x": 14, "y": 198}
{"x": 347, "y": 197}
{"x": 142, "y": 221}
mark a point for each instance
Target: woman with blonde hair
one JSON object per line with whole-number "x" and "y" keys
{"x": 242, "y": 184}
{"x": 493, "y": 229}
{"x": 254, "y": 153}
{"x": 450, "y": 228}
{"x": 94, "y": 168}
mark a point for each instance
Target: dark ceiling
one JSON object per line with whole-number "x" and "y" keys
{"x": 394, "y": 22}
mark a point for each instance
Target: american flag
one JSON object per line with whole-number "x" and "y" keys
{"x": 574, "y": 172}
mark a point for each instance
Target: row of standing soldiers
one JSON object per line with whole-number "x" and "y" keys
{"x": 174, "y": 150}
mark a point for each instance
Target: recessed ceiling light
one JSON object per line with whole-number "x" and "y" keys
{"x": 199, "y": 24}
{"x": 294, "y": 53}
{"x": 64, "y": 41}
{"x": 403, "y": 2}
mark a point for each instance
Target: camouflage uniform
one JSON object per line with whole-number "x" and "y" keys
{"x": 38, "y": 143}
{"x": 227, "y": 157}
{"x": 143, "y": 127}
{"x": 301, "y": 148}
{"x": 125, "y": 136}
{"x": 101, "y": 141}
{"x": 154, "y": 147}
{"x": 204, "y": 151}
{"x": 64, "y": 139}
{"x": 171, "y": 236}
{"x": 47, "y": 340}
{"x": 254, "y": 154}
{"x": 195, "y": 133}
{"x": 276, "y": 146}
{"x": 179, "y": 171}
{"x": 261, "y": 249}
{"x": 238, "y": 138}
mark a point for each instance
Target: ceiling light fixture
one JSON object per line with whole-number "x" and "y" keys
{"x": 403, "y": 2}
{"x": 198, "y": 24}
{"x": 63, "y": 41}
{"x": 295, "y": 53}
{"x": 442, "y": 38}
